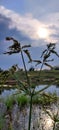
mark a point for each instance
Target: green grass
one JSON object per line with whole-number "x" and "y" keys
{"x": 22, "y": 100}
{"x": 10, "y": 101}
{"x": 2, "y": 122}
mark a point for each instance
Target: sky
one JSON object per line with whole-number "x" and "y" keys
{"x": 34, "y": 22}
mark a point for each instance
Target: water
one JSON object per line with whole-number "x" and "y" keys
{"x": 7, "y": 92}
{"x": 51, "y": 89}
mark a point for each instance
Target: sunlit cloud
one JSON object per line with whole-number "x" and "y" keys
{"x": 27, "y": 24}
{"x": 30, "y": 26}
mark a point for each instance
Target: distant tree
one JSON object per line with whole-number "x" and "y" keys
{"x": 1, "y": 70}
{"x": 56, "y": 68}
{"x": 31, "y": 68}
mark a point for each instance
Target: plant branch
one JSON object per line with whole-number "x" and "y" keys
{"x": 25, "y": 69}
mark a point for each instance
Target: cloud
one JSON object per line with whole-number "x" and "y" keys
{"x": 26, "y": 26}
{"x": 5, "y": 31}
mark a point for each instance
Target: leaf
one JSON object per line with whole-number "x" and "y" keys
{"x": 43, "y": 52}
{"x": 15, "y": 48}
{"x": 48, "y": 112}
{"x": 48, "y": 65}
{"x": 15, "y": 45}
{"x": 49, "y": 60}
{"x": 46, "y": 56}
{"x": 11, "y": 52}
{"x": 37, "y": 64}
{"x": 41, "y": 90}
{"x": 25, "y": 46}
{"x": 37, "y": 61}
{"x": 8, "y": 52}
{"x": 50, "y": 45}
{"x": 53, "y": 51}
{"x": 28, "y": 55}
{"x": 9, "y": 38}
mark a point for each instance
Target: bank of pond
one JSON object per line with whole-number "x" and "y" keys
{"x": 14, "y": 109}
{"x": 14, "y": 112}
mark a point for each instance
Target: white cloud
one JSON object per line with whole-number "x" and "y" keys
{"x": 29, "y": 26}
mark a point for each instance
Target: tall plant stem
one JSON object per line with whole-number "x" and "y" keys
{"x": 31, "y": 95}
{"x": 54, "y": 126}
{"x": 25, "y": 68}
{"x": 30, "y": 113}
{"x": 40, "y": 69}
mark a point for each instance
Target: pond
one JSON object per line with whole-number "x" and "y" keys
{"x": 7, "y": 92}
{"x": 52, "y": 89}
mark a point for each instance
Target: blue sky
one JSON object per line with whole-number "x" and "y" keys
{"x": 24, "y": 20}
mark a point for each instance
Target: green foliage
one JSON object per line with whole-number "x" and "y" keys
{"x": 22, "y": 100}
{"x": 45, "y": 98}
{"x": 2, "y": 122}
{"x": 10, "y": 101}
{"x": 17, "y": 48}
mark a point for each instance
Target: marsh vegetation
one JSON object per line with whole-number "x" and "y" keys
{"x": 26, "y": 82}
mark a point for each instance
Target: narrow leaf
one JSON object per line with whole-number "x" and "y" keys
{"x": 11, "y": 52}
{"x": 37, "y": 61}
{"x": 48, "y": 65}
{"x": 49, "y": 113}
{"x": 9, "y": 38}
{"x": 50, "y": 45}
{"x": 43, "y": 52}
{"x": 42, "y": 89}
{"x": 8, "y": 52}
{"x": 28, "y": 54}
{"x": 25, "y": 46}
{"x": 49, "y": 60}
{"x": 53, "y": 51}
{"x": 46, "y": 56}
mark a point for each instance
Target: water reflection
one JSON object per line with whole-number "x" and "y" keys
{"x": 49, "y": 118}
{"x": 48, "y": 123}
{"x": 53, "y": 88}
{"x": 7, "y": 92}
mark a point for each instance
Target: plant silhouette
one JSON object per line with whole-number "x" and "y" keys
{"x": 27, "y": 87}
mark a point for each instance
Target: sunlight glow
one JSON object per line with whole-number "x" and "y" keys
{"x": 42, "y": 33}
{"x": 49, "y": 122}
